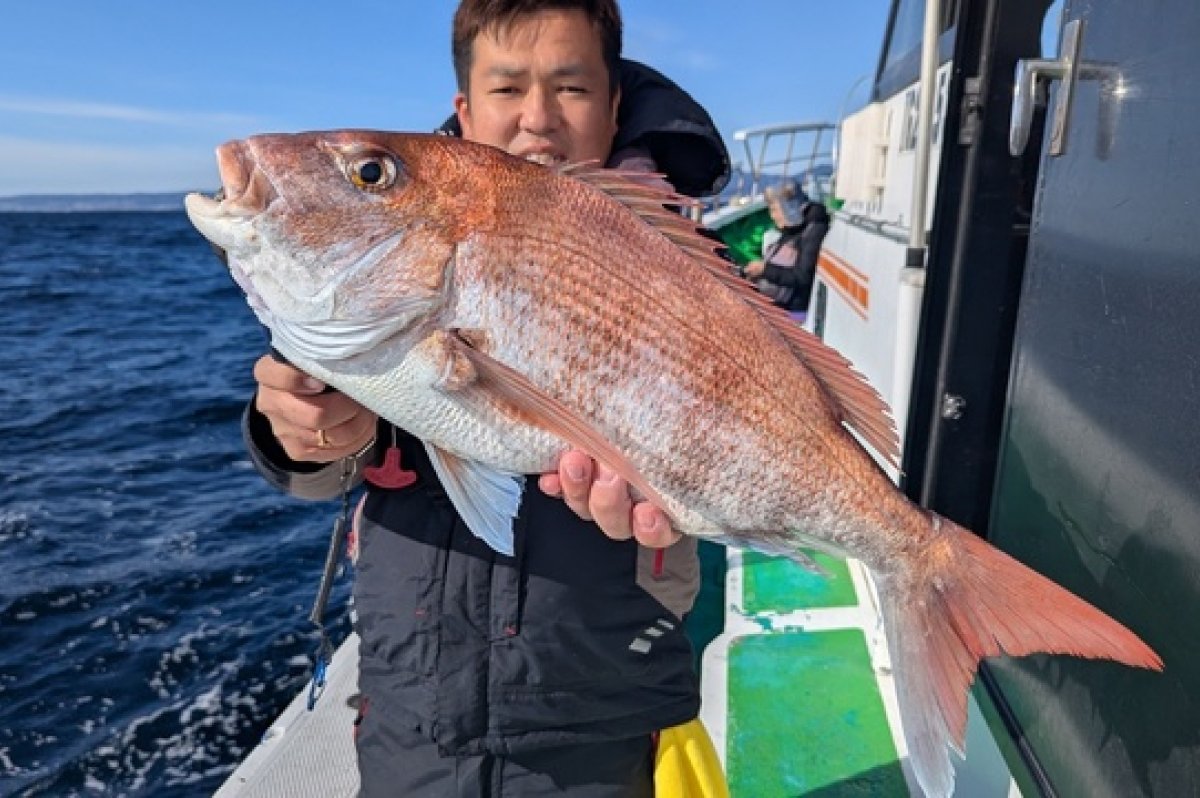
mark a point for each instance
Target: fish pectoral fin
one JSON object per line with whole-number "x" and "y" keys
{"x": 439, "y": 361}
{"x": 486, "y": 499}
{"x": 546, "y": 412}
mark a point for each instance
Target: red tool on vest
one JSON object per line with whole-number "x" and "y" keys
{"x": 391, "y": 473}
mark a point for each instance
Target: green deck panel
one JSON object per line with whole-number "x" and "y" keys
{"x": 776, "y": 584}
{"x": 806, "y": 719}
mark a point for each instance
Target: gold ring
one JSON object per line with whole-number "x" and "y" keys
{"x": 323, "y": 441}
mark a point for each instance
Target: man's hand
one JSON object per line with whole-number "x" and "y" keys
{"x": 310, "y": 425}
{"x": 754, "y": 269}
{"x": 597, "y": 494}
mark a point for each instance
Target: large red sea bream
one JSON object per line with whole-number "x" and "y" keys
{"x": 503, "y": 311}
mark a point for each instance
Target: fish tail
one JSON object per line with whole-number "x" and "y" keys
{"x": 966, "y": 601}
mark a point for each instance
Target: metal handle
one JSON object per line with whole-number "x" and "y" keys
{"x": 1031, "y": 74}
{"x": 1025, "y": 98}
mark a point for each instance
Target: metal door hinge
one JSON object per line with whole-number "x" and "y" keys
{"x": 971, "y": 115}
{"x": 953, "y": 406}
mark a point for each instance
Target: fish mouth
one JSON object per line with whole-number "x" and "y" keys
{"x": 245, "y": 189}
{"x": 226, "y": 217}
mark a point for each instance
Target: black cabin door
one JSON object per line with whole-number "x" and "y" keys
{"x": 1099, "y": 479}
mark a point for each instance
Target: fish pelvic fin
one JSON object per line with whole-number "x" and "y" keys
{"x": 487, "y": 500}
{"x": 968, "y": 601}
{"x": 538, "y": 408}
{"x": 855, "y": 400}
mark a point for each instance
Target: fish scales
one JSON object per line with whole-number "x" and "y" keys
{"x": 644, "y": 339}
{"x": 501, "y": 312}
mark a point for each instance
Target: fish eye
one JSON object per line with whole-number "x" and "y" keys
{"x": 372, "y": 172}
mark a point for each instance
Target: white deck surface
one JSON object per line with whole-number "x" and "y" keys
{"x": 306, "y": 753}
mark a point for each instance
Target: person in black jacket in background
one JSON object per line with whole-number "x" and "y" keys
{"x": 789, "y": 264}
{"x": 547, "y": 672}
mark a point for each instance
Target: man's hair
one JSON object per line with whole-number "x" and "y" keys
{"x": 497, "y": 17}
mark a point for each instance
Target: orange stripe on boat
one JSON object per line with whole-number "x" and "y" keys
{"x": 847, "y": 281}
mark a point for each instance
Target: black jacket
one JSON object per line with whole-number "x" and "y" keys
{"x": 576, "y": 638}
{"x": 486, "y": 653}
{"x": 790, "y": 284}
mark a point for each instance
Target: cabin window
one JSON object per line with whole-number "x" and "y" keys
{"x": 906, "y": 31}
{"x": 908, "y": 26}
{"x": 900, "y": 65}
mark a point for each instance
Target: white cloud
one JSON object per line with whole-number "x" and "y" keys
{"x": 29, "y": 166}
{"x": 61, "y": 107}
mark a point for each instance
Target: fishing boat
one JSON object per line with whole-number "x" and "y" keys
{"x": 1011, "y": 215}
{"x": 1012, "y": 264}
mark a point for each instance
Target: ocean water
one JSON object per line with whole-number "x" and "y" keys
{"x": 154, "y": 590}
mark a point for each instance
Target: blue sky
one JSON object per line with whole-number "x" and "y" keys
{"x": 133, "y": 95}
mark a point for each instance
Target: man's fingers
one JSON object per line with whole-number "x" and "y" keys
{"x": 550, "y": 484}
{"x": 310, "y": 424}
{"x": 595, "y": 492}
{"x": 351, "y": 435}
{"x": 326, "y": 444}
{"x": 610, "y": 504}
{"x": 270, "y": 373}
{"x": 305, "y": 410}
{"x": 652, "y": 528}
{"x": 575, "y": 470}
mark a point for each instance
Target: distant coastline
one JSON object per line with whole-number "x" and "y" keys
{"x": 93, "y": 203}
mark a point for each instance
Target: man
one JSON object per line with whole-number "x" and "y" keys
{"x": 549, "y": 671}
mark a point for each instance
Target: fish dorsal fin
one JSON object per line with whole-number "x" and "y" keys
{"x": 486, "y": 499}
{"x": 859, "y": 405}
{"x": 546, "y": 412}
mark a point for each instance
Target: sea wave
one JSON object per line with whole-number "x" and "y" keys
{"x": 153, "y": 614}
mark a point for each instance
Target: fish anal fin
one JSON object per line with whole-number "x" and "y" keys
{"x": 546, "y": 412}
{"x": 773, "y": 544}
{"x": 806, "y": 561}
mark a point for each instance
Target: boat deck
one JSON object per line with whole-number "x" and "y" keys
{"x": 800, "y": 678}
{"x": 307, "y": 754}
{"x": 797, "y": 696}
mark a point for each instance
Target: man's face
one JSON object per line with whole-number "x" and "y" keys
{"x": 541, "y": 91}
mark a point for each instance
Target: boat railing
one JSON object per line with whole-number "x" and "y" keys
{"x": 806, "y": 150}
